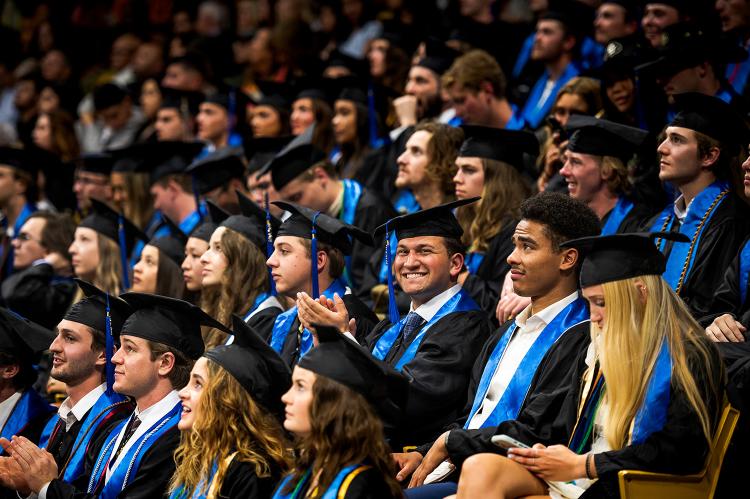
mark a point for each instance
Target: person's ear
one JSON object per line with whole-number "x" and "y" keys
{"x": 166, "y": 364}
{"x": 456, "y": 264}
{"x": 642, "y": 291}
{"x": 569, "y": 259}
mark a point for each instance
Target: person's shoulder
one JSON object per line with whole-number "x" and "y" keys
{"x": 366, "y": 482}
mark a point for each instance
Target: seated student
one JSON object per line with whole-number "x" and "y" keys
{"x": 175, "y": 118}
{"x": 158, "y": 270}
{"x": 192, "y": 268}
{"x": 92, "y": 408}
{"x": 234, "y": 278}
{"x": 159, "y": 342}
{"x": 649, "y": 399}
{"x": 218, "y": 176}
{"x": 310, "y": 107}
{"x": 523, "y": 368}
{"x": 338, "y": 396}
{"x": 308, "y": 261}
{"x": 92, "y": 176}
{"x": 352, "y": 130}
{"x": 596, "y": 171}
{"x": 269, "y": 117}
{"x": 96, "y": 250}
{"x": 697, "y": 156}
{"x": 232, "y": 444}
{"x": 490, "y": 165}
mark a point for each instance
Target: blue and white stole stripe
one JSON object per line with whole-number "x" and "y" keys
{"x": 204, "y": 484}
{"x": 258, "y": 301}
{"x": 460, "y": 302}
{"x": 652, "y": 415}
{"x": 191, "y": 221}
{"x": 285, "y": 320}
{"x": 690, "y": 225}
{"x": 128, "y": 466}
{"x": 744, "y": 277}
{"x": 536, "y": 109}
{"x": 352, "y": 193}
{"x": 405, "y": 204}
{"x": 98, "y": 412}
{"x": 616, "y": 216}
{"x": 510, "y": 403}
{"x": 28, "y": 408}
{"x": 336, "y": 490}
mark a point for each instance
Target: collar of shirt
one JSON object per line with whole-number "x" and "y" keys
{"x": 76, "y": 413}
{"x": 428, "y": 310}
{"x": 338, "y": 203}
{"x": 6, "y": 407}
{"x": 527, "y": 322}
{"x": 680, "y": 210}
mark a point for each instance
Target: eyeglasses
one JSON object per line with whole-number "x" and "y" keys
{"x": 23, "y": 237}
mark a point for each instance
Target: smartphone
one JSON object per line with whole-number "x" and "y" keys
{"x": 505, "y": 442}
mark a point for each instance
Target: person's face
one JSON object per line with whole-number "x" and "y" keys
{"x": 265, "y": 122}
{"x": 534, "y": 264}
{"x": 376, "y": 57}
{"x": 260, "y": 49}
{"x": 213, "y": 260}
{"x": 190, "y": 395}
{"x": 290, "y": 265}
{"x": 49, "y": 101}
{"x": 423, "y": 84}
{"x": 42, "y": 134}
{"x": 746, "y": 175}
{"x": 162, "y": 198}
{"x": 117, "y": 116}
{"x": 423, "y": 267}
{"x": 144, "y": 272}
{"x": 566, "y": 105}
{"x": 472, "y": 107}
{"x": 53, "y": 66}
{"x": 313, "y": 194}
{"x": 135, "y": 373}
{"x": 117, "y": 183}
{"x": 412, "y": 163}
{"x": 469, "y": 8}
{"x": 685, "y": 80}
{"x": 180, "y": 78}
{"x": 656, "y": 17}
{"x": 469, "y": 178}
{"x": 610, "y": 23}
{"x": 344, "y": 122}
{"x": 212, "y": 120}
{"x": 147, "y": 60}
{"x": 9, "y": 185}
{"x": 84, "y": 253}
{"x": 257, "y": 187}
{"x": 302, "y": 115}
{"x": 622, "y": 94}
{"x": 583, "y": 174}
{"x": 87, "y": 185}
{"x": 73, "y": 359}
{"x": 27, "y": 245}
{"x": 734, "y": 14}
{"x": 25, "y": 95}
{"x": 122, "y": 51}
{"x": 298, "y": 401}
{"x": 169, "y": 125}
{"x": 548, "y": 41}
{"x": 192, "y": 268}
{"x": 150, "y": 98}
{"x": 597, "y": 307}
{"x": 678, "y": 156}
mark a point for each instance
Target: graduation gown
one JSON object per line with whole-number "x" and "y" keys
{"x": 634, "y": 221}
{"x": 368, "y": 484}
{"x": 439, "y": 373}
{"x": 38, "y": 294}
{"x": 241, "y": 482}
{"x": 731, "y": 296}
{"x": 263, "y": 321}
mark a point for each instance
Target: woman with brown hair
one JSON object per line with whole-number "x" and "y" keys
{"x": 158, "y": 269}
{"x": 310, "y": 108}
{"x": 54, "y": 133}
{"x": 232, "y": 445}
{"x": 339, "y": 394}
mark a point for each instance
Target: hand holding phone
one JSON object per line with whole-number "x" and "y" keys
{"x": 506, "y": 442}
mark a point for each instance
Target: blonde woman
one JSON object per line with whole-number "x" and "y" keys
{"x": 232, "y": 444}
{"x": 649, "y": 399}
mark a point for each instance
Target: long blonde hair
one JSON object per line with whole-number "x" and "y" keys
{"x": 139, "y": 205}
{"x": 228, "y": 420}
{"x": 629, "y": 345}
{"x": 108, "y": 276}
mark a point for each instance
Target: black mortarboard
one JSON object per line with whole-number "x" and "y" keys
{"x": 354, "y": 65}
{"x": 217, "y": 169}
{"x": 169, "y": 321}
{"x": 622, "y": 56}
{"x": 19, "y": 159}
{"x": 259, "y": 151}
{"x": 437, "y": 221}
{"x": 353, "y": 94}
{"x": 96, "y": 162}
{"x": 218, "y": 98}
{"x": 602, "y": 137}
{"x": 629, "y": 5}
{"x": 438, "y": 56}
{"x": 249, "y": 209}
{"x": 21, "y": 337}
{"x": 172, "y": 244}
{"x": 255, "y": 365}
{"x": 251, "y": 223}
{"x": 710, "y": 116}
{"x": 216, "y": 212}
{"x": 338, "y": 358}
{"x": 127, "y": 159}
{"x": 290, "y": 163}
{"x": 204, "y": 230}
{"x": 106, "y": 221}
{"x": 186, "y": 102}
{"x": 621, "y": 256}
{"x": 108, "y": 95}
{"x": 312, "y": 93}
{"x": 498, "y": 144}
{"x": 166, "y": 158}
{"x": 576, "y": 16}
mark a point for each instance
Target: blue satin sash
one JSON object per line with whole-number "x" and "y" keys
{"x": 744, "y": 277}
{"x": 652, "y": 415}
{"x": 473, "y": 261}
{"x": 334, "y": 491}
{"x": 460, "y": 302}
{"x": 617, "y": 215}
{"x": 535, "y": 110}
{"x": 179, "y": 492}
{"x": 28, "y": 408}
{"x": 352, "y": 193}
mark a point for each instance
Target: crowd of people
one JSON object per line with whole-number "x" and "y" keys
{"x": 371, "y": 248}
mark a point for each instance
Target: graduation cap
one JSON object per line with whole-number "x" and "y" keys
{"x": 354, "y": 66}
{"x": 438, "y": 56}
{"x": 166, "y": 157}
{"x": 602, "y": 137}
{"x": 345, "y": 361}
{"x": 622, "y": 56}
{"x": 169, "y": 321}
{"x": 20, "y": 159}
{"x": 576, "y": 16}
{"x": 249, "y": 209}
{"x": 255, "y": 365}
{"x": 250, "y": 227}
{"x": 172, "y": 244}
{"x": 259, "y": 151}
{"x": 631, "y": 6}
{"x": 96, "y": 162}
{"x": 353, "y": 94}
{"x": 710, "y": 116}
{"x": 22, "y": 338}
{"x": 498, "y": 144}
{"x": 621, "y": 256}
{"x": 216, "y": 213}
{"x": 185, "y": 101}
{"x": 127, "y": 159}
{"x": 217, "y": 169}
{"x": 290, "y": 163}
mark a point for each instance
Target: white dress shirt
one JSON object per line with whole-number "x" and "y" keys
{"x": 72, "y": 414}
{"x": 7, "y": 406}
{"x": 428, "y": 310}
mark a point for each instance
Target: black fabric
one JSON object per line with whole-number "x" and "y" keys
{"x": 437, "y": 221}
{"x": 728, "y": 296}
{"x": 217, "y": 169}
{"x": 600, "y": 137}
{"x": 96, "y": 162}
{"x": 38, "y": 294}
{"x": 263, "y": 322}
{"x": 91, "y": 311}
{"x": 106, "y": 221}
{"x": 241, "y": 482}
{"x": 173, "y": 244}
{"x": 710, "y": 116}
{"x": 498, "y": 144}
{"x": 22, "y": 337}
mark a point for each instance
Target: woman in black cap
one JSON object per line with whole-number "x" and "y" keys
{"x": 311, "y": 108}
{"x": 352, "y": 133}
{"x": 158, "y": 270}
{"x": 334, "y": 409}
{"x": 649, "y": 399}
{"x": 192, "y": 268}
{"x": 232, "y": 445}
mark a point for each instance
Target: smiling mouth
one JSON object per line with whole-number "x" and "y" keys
{"x": 413, "y": 275}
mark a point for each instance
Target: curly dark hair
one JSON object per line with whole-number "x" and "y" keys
{"x": 563, "y": 217}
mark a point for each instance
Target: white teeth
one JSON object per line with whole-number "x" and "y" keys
{"x": 414, "y": 275}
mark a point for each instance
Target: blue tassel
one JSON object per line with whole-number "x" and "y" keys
{"x": 314, "y": 258}
{"x": 269, "y": 244}
{"x": 123, "y": 253}
{"x": 393, "y": 314}
{"x": 375, "y": 141}
{"x": 110, "y": 346}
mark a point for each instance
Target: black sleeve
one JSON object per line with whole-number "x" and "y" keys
{"x": 361, "y": 313}
{"x": 241, "y": 482}
{"x": 372, "y": 211}
{"x": 33, "y": 293}
{"x": 263, "y": 322}
{"x": 369, "y": 484}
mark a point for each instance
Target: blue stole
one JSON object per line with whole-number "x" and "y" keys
{"x": 179, "y": 492}
{"x": 652, "y": 415}
{"x": 285, "y": 320}
{"x": 334, "y": 490}
{"x": 96, "y": 415}
{"x": 534, "y": 111}
{"x": 724, "y": 95}
{"x": 27, "y": 210}
{"x": 131, "y": 460}
{"x": 744, "y": 276}
{"x": 737, "y": 74}
{"x": 460, "y": 302}
{"x": 510, "y": 403}
{"x": 28, "y": 408}
{"x": 616, "y": 216}
{"x": 352, "y": 193}
{"x": 516, "y": 121}
{"x": 679, "y": 253}
{"x": 473, "y": 261}
{"x": 258, "y": 300}
{"x": 592, "y": 53}
{"x": 191, "y": 221}
{"x": 523, "y": 56}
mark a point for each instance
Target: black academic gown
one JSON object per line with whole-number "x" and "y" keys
{"x": 263, "y": 321}
{"x": 635, "y": 220}
{"x": 38, "y": 294}
{"x": 728, "y": 298}
{"x": 241, "y": 482}
{"x": 368, "y": 484}
{"x": 151, "y": 480}
{"x": 439, "y": 373}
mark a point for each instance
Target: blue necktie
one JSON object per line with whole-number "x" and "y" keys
{"x": 411, "y": 325}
